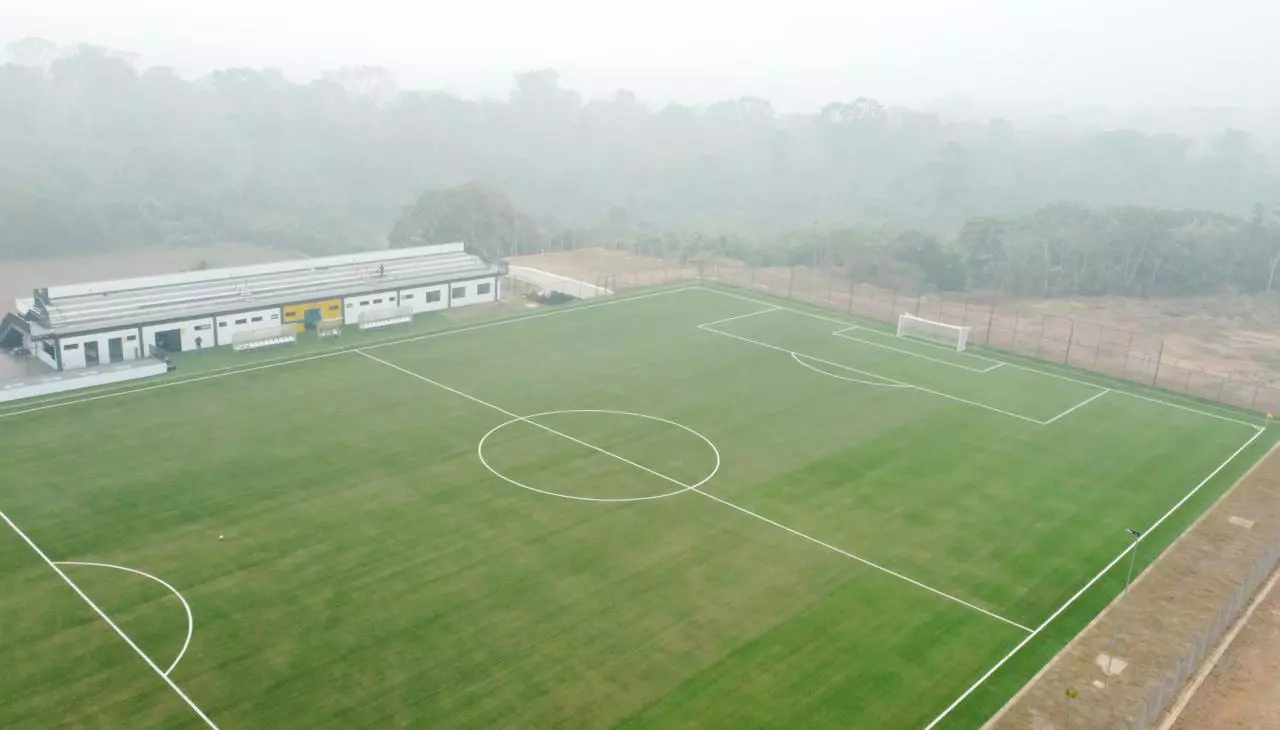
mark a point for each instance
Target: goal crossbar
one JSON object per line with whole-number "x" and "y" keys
{"x": 951, "y": 335}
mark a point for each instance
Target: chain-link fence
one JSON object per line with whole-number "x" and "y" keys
{"x": 1130, "y": 355}
{"x": 1165, "y": 690}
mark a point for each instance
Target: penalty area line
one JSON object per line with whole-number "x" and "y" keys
{"x": 694, "y": 488}
{"x": 102, "y": 614}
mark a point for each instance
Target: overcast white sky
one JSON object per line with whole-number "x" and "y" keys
{"x": 1125, "y": 54}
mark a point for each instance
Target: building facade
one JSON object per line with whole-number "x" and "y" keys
{"x": 85, "y": 325}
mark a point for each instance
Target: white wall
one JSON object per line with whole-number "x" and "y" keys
{"x": 417, "y": 298}
{"x": 44, "y": 386}
{"x": 472, "y": 296}
{"x": 228, "y": 325}
{"x": 73, "y": 347}
{"x": 353, "y": 306}
{"x": 191, "y": 329}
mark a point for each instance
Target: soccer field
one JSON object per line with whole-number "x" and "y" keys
{"x": 693, "y": 506}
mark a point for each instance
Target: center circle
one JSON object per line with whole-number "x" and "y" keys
{"x": 530, "y": 420}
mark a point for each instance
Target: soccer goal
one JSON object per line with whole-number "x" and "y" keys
{"x": 950, "y": 335}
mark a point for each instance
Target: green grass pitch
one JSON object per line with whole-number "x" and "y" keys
{"x": 856, "y": 528}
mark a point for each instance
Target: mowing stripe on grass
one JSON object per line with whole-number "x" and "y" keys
{"x": 694, "y": 488}
{"x": 276, "y": 362}
{"x": 163, "y": 675}
{"x": 1046, "y": 373}
{"x": 1133, "y": 545}
{"x": 885, "y": 378}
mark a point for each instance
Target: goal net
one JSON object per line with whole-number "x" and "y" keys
{"x": 950, "y": 335}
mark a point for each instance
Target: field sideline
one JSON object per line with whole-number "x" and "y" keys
{"x": 700, "y": 504}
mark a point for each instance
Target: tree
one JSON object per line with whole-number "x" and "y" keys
{"x": 33, "y": 52}
{"x": 374, "y": 83}
{"x": 473, "y": 213}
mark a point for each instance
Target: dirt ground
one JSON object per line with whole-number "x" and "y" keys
{"x": 1169, "y": 604}
{"x": 19, "y": 278}
{"x": 1174, "y": 599}
{"x": 613, "y": 269}
{"x": 1235, "y": 336}
{"x": 1243, "y": 690}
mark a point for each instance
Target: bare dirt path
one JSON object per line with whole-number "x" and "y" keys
{"x": 1243, "y": 690}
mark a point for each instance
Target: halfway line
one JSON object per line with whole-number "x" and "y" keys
{"x": 690, "y": 488}
{"x": 110, "y": 623}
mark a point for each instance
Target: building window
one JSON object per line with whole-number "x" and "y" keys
{"x": 72, "y": 346}
{"x": 275, "y": 316}
{"x": 432, "y": 296}
{"x": 350, "y": 305}
{"x": 222, "y": 324}
{"x": 459, "y": 292}
{"x": 257, "y": 319}
{"x": 364, "y": 303}
{"x": 406, "y": 296}
{"x": 131, "y": 338}
{"x": 377, "y": 301}
{"x": 201, "y": 327}
{"x": 334, "y": 306}
{"x": 484, "y": 288}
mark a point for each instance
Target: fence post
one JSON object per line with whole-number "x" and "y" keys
{"x": 1014, "y": 345}
{"x": 1159, "y": 359}
{"x": 991, "y": 318}
{"x": 919, "y": 297}
{"x": 1071, "y": 335}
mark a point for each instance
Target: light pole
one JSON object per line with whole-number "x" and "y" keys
{"x": 1133, "y": 556}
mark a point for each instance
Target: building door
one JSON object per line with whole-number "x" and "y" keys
{"x": 312, "y": 318}
{"x": 169, "y": 340}
{"x": 91, "y": 354}
{"x": 115, "y": 349}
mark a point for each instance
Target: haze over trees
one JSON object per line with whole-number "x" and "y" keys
{"x": 98, "y": 153}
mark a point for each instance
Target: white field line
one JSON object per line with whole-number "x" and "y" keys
{"x": 740, "y": 316}
{"x": 1137, "y": 581}
{"x": 1045, "y": 373}
{"x": 1133, "y": 545}
{"x": 940, "y": 361}
{"x": 922, "y": 389}
{"x": 191, "y": 620}
{"x": 1084, "y": 402}
{"x": 693, "y": 488}
{"x": 224, "y": 372}
{"x": 112, "y": 624}
{"x": 800, "y": 359}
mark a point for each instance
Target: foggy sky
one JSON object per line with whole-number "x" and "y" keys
{"x": 1024, "y": 54}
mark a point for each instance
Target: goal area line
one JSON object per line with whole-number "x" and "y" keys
{"x": 1117, "y": 387}
{"x": 888, "y": 381}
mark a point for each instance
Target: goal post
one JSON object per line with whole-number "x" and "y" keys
{"x": 942, "y": 333}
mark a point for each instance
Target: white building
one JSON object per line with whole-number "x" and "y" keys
{"x": 84, "y": 325}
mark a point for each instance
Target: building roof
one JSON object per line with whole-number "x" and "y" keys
{"x": 80, "y": 308}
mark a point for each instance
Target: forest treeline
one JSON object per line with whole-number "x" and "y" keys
{"x": 99, "y": 154}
